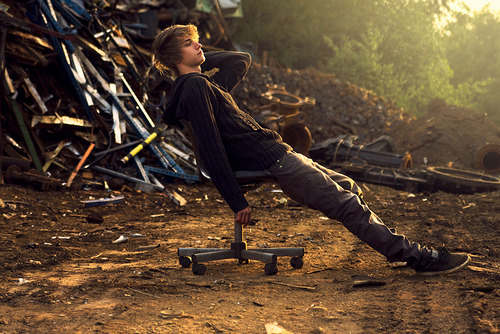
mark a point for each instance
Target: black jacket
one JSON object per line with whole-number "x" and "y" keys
{"x": 228, "y": 138}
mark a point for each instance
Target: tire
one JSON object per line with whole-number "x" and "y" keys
{"x": 460, "y": 181}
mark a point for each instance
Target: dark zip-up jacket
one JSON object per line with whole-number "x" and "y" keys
{"x": 228, "y": 138}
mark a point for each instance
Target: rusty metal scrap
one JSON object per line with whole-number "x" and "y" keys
{"x": 76, "y": 74}
{"x": 59, "y": 121}
{"x": 335, "y": 151}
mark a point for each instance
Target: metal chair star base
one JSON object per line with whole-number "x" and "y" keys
{"x": 239, "y": 251}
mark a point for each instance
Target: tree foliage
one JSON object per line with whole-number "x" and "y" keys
{"x": 472, "y": 45}
{"x": 395, "y": 48}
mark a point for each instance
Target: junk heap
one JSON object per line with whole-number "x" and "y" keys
{"x": 81, "y": 102}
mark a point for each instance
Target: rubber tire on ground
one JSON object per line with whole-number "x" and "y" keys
{"x": 296, "y": 262}
{"x": 185, "y": 261}
{"x": 199, "y": 269}
{"x": 11, "y": 173}
{"x": 461, "y": 181}
{"x": 271, "y": 269}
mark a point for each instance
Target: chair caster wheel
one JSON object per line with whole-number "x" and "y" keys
{"x": 199, "y": 269}
{"x": 271, "y": 268}
{"x": 185, "y": 261}
{"x": 241, "y": 261}
{"x": 296, "y": 262}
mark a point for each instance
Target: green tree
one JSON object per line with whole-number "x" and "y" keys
{"x": 392, "y": 47}
{"x": 472, "y": 43}
{"x": 292, "y": 30}
{"x": 361, "y": 62}
{"x": 398, "y": 56}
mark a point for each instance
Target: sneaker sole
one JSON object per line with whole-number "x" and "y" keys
{"x": 435, "y": 273}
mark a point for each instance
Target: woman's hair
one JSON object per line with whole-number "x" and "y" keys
{"x": 166, "y": 46}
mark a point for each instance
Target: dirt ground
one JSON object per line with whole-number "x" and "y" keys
{"x": 62, "y": 273}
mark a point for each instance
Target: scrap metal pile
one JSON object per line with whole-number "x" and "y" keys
{"x": 371, "y": 139}
{"x": 368, "y": 138}
{"x": 81, "y": 102}
{"x": 80, "y": 97}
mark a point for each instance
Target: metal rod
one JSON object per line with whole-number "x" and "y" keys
{"x": 126, "y": 177}
{"x": 80, "y": 164}
{"x": 26, "y": 134}
{"x": 238, "y": 232}
{"x": 139, "y": 147}
{"x": 121, "y": 147}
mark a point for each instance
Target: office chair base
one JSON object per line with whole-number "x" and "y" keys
{"x": 239, "y": 251}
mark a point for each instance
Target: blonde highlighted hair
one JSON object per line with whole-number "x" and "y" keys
{"x": 167, "y": 44}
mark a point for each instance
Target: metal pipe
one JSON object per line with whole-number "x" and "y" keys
{"x": 126, "y": 177}
{"x": 487, "y": 158}
{"x": 80, "y": 164}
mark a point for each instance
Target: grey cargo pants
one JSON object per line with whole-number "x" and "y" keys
{"x": 339, "y": 198}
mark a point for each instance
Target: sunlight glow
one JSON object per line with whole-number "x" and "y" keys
{"x": 476, "y": 5}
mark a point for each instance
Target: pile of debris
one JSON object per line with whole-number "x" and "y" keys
{"x": 83, "y": 102}
{"x": 340, "y": 108}
{"x": 446, "y": 136}
{"x": 79, "y": 91}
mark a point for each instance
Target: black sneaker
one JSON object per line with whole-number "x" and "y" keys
{"x": 444, "y": 263}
